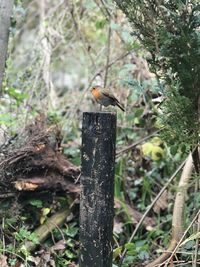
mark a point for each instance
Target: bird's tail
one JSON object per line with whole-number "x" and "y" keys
{"x": 120, "y": 106}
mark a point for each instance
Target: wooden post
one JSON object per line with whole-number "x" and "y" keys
{"x": 97, "y": 189}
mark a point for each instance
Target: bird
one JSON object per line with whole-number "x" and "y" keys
{"x": 104, "y": 97}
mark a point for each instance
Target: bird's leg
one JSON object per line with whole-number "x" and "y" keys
{"x": 100, "y": 107}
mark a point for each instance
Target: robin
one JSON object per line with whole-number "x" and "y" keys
{"x": 104, "y": 97}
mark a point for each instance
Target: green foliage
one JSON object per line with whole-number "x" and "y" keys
{"x": 100, "y": 24}
{"x": 69, "y": 231}
{"x": 74, "y": 154}
{"x": 181, "y": 119}
{"x": 17, "y": 95}
{"x": 170, "y": 32}
{"x": 191, "y": 238}
{"x": 24, "y": 234}
{"x": 137, "y": 251}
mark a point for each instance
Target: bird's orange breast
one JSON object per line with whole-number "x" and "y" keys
{"x": 96, "y": 93}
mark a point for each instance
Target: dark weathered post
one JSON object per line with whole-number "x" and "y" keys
{"x": 97, "y": 189}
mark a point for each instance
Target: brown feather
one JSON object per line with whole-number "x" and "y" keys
{"x": 116, "y": 101}
{"x": 109, "y": 95}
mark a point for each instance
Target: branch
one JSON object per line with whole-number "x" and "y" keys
{"x": 108, "y": 55}
{"x": 43, "y": 231}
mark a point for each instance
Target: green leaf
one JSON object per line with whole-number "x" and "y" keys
{"x": 45, "y": 211}
{"x": 71, "y": 230}
{"x": 22, "y": 234}
{"x": 36, "y": 203}
{"x": 5, "y": 118}
{"x": 139, "y": 112}
{"x": 192, "y": 237}
{"x": 130, "y": 246}
{"x": 24, "y": 250}
{"x": 116, "y": 252}
{"x": 69, "y": 254}
{"x": 12, "y": 262}
{"x": 33, "y": 237}
{"x": 143, "y": 255}
{"x": 129, "y": 259}
{"x": 16, "y": 94}
{"x": 100, "y": 24}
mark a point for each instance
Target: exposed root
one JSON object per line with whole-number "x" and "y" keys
{"x": 34, "y": 161}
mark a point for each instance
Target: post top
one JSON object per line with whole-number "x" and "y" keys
{"x": 100, "y": 112}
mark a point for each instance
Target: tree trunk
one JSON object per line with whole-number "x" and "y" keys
{"x": 6, "y": 7}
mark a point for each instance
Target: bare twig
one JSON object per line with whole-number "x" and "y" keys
{"x": 76, "y": 23}
{"x": 106, "y": 10}
{"x": 108, "y": 54}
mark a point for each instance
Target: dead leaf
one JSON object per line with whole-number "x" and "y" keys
{"x": 36, "y": 260}
{"x": 29, "y": 184}
{"x": 46, "y": 256}
{"x": 21, "y": 185}
{"x": 60, "y": 245}
{"x": 3, "y": 261}
{"x": 118, "y": 226}
{"x": 18, "y": 264}
{"x": 134, "y": 214}
{"x": 52, "y": 263}
{"x": 161, "y": 203}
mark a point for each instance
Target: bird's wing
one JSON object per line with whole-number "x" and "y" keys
{"x": 108, "y": 94}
